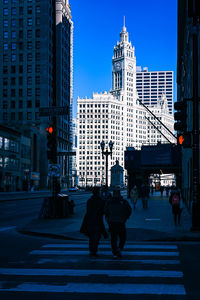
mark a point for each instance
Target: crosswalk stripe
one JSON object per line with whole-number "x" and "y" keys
{"x": 83, "y": 272}
{"x": 142, "y": 261}
{"x": 159, "y": 247}
{"x": 76, "y": 252}
{"x": 101, "y": 288}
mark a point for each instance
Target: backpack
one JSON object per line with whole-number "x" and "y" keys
{"x": 175, "y": 199}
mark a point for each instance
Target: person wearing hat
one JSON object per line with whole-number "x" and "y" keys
{"x": 117, "y": 211}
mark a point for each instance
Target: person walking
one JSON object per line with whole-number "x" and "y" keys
{"x": 145, "y": 195}
{"x": 117, "y": 211}
{"x": 176, "y": 203}
{"x": 92, "y": 224}
{"x": 134, "y": 196}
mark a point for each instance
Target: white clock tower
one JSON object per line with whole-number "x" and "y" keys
{"x": 124, "y": 69}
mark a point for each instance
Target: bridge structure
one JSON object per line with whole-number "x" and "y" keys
{"x": 156, "y": 159}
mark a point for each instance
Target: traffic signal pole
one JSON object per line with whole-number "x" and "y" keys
{"x": 195, "y": 135}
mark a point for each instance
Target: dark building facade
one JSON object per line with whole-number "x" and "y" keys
{"x": 187, "y": 28}
{"x": 29, "y": 30}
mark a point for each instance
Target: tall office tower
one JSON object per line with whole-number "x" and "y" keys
{"x": 116, "y": 116}
{"x": 27, "y": 57}
{"x": 151, "y": 85}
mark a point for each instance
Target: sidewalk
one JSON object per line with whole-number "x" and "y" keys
{"x": 154, "y": 224}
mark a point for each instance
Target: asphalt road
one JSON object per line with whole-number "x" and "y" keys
{"x": 43, "y": 268}
{"x": 16, "y": 213}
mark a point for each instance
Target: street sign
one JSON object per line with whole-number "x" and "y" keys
{"x": 53, "y": 111}
{"x": 66, "y": 153}
{"x": 54, "y": 170}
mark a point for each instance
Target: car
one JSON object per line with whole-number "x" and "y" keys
{"x": 73, "y": 189}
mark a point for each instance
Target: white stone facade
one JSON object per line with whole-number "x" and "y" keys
{"x": 115, "y": 116}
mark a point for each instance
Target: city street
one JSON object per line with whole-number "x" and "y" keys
{"x": 43, "y": 267}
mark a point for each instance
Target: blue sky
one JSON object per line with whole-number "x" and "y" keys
{"x": 152, "y": 27}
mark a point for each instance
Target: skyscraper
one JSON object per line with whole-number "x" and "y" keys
{"x": 152, "y": 85}
{"x": 30, "y": 30}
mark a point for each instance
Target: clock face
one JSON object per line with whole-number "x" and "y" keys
{"x": 118, "y": 66}
{"x": 130, "y": 66}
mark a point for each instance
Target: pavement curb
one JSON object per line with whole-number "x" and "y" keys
{"x": 69, "y": 237}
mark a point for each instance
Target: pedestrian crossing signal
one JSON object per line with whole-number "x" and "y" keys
{"x": 184, "y": 140}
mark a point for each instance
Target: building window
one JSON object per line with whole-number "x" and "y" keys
{"x": 5, "y": 81}
{"x": 13, "y": 34}
{"x": 29, "y": 116}
{"x": 13, "y": 11}
{"x": 5, "y": 69}
{"x": 5, "y": 93}
{"x": 37, "y": 68}
{"x": 5, "y": 104}
{"x": 37, "y": 45}
{"x": 13, "y": 46}
{"x": 5, "y": 23}
{"x": 29, "y": 68}
{"x": 5, "y": 46}
{"x": 5, "y": 57}
{"x": 29, "y": 80}
{"x": 37, "y": 33}
{"x": 12, "y": 116}
{"x": 29, "y": 22}
{"x": 37, "y": 10}
{"x": 13, "y": 93}
{"x": 13, "y": 69}
{"x": 29, "y": 92}
{"x": 20, "y": 69}
{"x": 5, "y": 11}
{"x": 29, "y": 10}
{"x": 29, "y": 45}
{"x": 13, "y": 80}
{"x": 21, "y": 34}
{"x": 29, "y": 57}
{"x": 5, "y": 116}
{"x": 20, "y": 80}
{"x": 29, "y": 34}
{"x": 20, "y": 116}
{"x": 5, "y": 34}
{"x": 13, "y": 22}
{"x": 20, "y": 92}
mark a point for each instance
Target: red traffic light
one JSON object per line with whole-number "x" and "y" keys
{"x": 50, "y": 129}
{"x": 180, "y": 139}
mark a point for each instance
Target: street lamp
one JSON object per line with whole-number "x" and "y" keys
{"x": 106, "y": 153}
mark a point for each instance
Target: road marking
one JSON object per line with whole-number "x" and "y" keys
{"x": 77, "y": 252}
{"x": 104, "y": 288}
{"x": 7, "y": 228}
{"x": 165, "y": 247}
{"x": 142, "y": 261}
{"x": 85, "y": 273}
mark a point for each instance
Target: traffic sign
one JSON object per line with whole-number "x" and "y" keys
{"x": 54, "y": 170}
{"x": 53, "y": 111}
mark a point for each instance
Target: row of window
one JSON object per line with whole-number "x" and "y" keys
{"x": 21, "y": 22}
{"x": 21, "y": 104}
{"x": 30, "y": 69}
{"x": 20, "y": 116}
{"x": 13, "y": 80}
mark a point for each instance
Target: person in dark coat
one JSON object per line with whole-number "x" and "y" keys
{"x": 144, "y": 193}
{"x": 93, "y": 225}
{"x": 117, "y": 211}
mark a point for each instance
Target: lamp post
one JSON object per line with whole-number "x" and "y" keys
{"x": 106, "y": 153}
